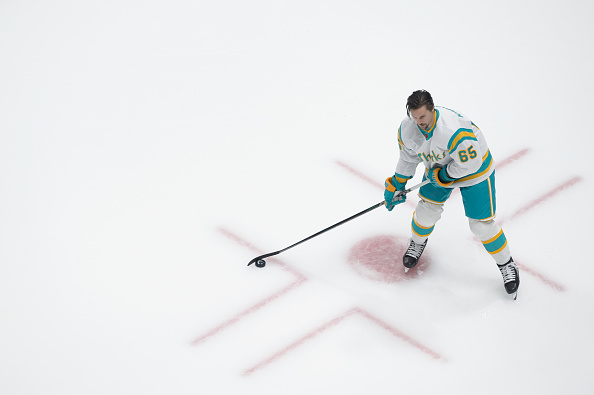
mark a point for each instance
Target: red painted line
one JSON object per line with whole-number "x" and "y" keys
{"x": 368, "y": 179}
{"x": 542, "y": 277}
{"x": 506, "y": 161}
{"x": 248, "y": 311}
{"x": 544, "y": 197}
{"x": 360, "y": 175}
{"x": 334, "y": 322}
{"x": 300, "y": 280}
{"x": 299, "y": 342}
{"x": 539, "y": 276}
{"x": 238, "y": 240}
{"x": 401, "y": 335}
{"x": 512, "y": 158}
{"x": 257, "y": 251}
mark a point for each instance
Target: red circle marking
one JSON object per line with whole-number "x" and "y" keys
{"x": 380, "y": 258}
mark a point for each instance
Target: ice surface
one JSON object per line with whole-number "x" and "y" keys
{"x": 151, "y": 149}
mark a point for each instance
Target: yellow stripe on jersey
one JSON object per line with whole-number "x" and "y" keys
{"x": 458, "y": 137}
{"x": 400, "y": 143}
{"x": 487, "y": 163}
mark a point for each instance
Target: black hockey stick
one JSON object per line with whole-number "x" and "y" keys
{"x": 260, "y": 262}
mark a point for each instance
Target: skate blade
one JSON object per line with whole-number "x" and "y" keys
{"x": 514, "y": 296}
{"x": 406, "y": 269}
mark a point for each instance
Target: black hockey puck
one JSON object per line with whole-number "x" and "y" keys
{"x": 260, "y": 263}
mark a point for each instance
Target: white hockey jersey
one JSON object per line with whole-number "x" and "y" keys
{"x": 453, "y": 140}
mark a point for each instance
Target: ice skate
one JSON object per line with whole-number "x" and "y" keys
{"x": 511, "y": 277}
{"x": 412, "y": 255}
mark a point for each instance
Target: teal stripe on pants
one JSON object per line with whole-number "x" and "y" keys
{"x": 420, "y": 230}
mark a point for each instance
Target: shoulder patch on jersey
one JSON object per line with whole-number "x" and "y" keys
{"x": 458, "y": 137}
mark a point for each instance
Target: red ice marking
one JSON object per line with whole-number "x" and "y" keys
{"x": 542, "y": 277}
{"x": 380, "y": 258}
{"x": 360, "y": 175}
{"x": 244, "y": 243}
{"x": 506, "y": 161}
{"x": 300, "y": 279}
{"x": 532, "y": 272}
{"x": 335, "y": 321}
{"x": 248, "y": 311}
{"x": 511, "y": 158}
{"x": 546, "y": 196}
{"x": 367, "y": 179}
{"x": 416, "y": 344}
{"x": 296, "y": 344}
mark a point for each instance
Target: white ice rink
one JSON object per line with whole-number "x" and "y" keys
{"x": 150, "y": 149}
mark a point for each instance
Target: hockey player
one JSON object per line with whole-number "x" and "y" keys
{"x": 456, "y": 155}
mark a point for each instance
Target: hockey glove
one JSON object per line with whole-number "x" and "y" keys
{"x": 393, "y": 186}
{"x": 439, "y": 177}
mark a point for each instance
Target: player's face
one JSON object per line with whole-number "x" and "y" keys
{"x": 423, "y": 117}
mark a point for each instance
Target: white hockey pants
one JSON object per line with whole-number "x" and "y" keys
{"x": 488, "y": 232}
